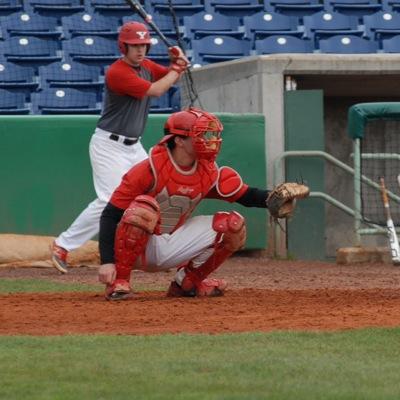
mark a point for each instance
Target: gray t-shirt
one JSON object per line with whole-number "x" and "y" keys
{"x": 126, "y": 114}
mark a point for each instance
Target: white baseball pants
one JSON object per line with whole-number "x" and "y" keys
{"x": 110, "y": 160}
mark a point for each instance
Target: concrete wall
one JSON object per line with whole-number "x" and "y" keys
{"x": 256, "y": 84}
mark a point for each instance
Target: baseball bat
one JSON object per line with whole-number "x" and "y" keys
{"x": 136, "y": 6}
{"x": 391, "y": 230}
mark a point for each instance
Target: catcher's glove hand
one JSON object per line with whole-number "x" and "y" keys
{"x": 281, "y": 201}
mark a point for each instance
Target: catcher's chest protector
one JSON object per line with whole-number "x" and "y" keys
{"x": 178, "y": 191}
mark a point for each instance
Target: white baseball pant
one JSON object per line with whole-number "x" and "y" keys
{"x": 110, "y": 160}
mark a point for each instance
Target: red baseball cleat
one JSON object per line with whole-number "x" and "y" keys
{"x": 119, "y": 290}
{"x": 59, "y": 258}
{"x": 207, "y": 287}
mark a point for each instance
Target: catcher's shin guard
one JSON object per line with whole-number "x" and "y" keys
{"x": 139, "y": 221}
{"x": 231, "y": 236}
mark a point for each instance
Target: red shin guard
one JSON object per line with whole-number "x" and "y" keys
{"x": 231, "y": 227}
{"x": 139, "y": 221}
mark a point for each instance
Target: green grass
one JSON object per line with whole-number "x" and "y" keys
{"x": 41, "y": 285}
{"x": 361, "y": 364}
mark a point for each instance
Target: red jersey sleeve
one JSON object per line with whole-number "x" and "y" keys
{"x": 122, "y": 79}
{"x": 138, "y": 180}
{"x": 213, "y": 194}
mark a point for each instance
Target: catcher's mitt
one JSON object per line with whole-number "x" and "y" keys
{"x": 282, "y": 199}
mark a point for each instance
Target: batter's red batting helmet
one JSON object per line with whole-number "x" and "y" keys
{"x": 203, "y": 127}
{"x": 133, "y": 33}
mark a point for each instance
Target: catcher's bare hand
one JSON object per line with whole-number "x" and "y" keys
{"x": 107, "y": 273}
{"x": 281, "y": 201}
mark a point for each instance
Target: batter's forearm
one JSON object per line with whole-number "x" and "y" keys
{"x": 161, "y": 86}
{"x": 108, "y": 225}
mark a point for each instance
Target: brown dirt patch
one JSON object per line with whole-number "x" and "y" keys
{"x": 264, "y": 295}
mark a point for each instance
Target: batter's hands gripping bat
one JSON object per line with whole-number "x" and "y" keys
{"x": 394, "y": 242}
{"x": 174, "y": 51}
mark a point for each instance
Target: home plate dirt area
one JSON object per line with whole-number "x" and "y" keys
{"x": 263, "y": 295}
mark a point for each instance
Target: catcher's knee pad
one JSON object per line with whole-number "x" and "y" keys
{"x": 139, "y": 221}
{"x": 232, "y": 227}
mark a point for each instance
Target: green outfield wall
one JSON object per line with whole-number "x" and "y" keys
{"x": 46, "y": 180}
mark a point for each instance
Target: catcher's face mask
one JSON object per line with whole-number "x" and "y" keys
{"x": 203, "y": 127}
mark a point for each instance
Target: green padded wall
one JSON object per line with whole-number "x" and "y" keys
{"x": 46, "y": 178}
{"x": 304, "y": 130}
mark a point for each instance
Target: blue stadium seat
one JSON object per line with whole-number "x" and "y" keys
{"x": 182, "y": 8}
{"x": 350, "y": 44}
{"x": 357, "y": 8}
{"x": 204, "y": 23}
{"x": 296, "y": 8}
{"x": 8, "y": 7}
{"x": 86, "y": 24}
{"x": 159, "y": 51}
{"x": 12, "y": 103}
{"x": 29, "y": 24}
{"x": 264, "y": 24}
{"x": 164, "y": 22}
{"x": 17, "y": 79}
{"x": 391, "y": 45}
{"x": 30, "y": 50}
{"x": 382, "y": 25}
{"x": 234, "y": 8}
{"x": 91, "y": 49}
{"x": 283, "y": 44}
{"x": 64, "y": 101}
{"x": 74, "y": 75}
{"x": 175, "y": 98}
{"x": 56, "y": 8}
{"x": 217, "y": 48}
{"x": 115, "y": 8}
{"x": 325, "y": 24}
{"x": 160, "y": 105}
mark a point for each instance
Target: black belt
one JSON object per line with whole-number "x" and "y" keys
{"x": 126, "y": 141}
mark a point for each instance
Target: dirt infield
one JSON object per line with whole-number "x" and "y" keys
{"x": 264, "y": 295}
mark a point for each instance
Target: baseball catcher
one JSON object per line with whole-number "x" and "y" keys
{"x": 147, "y": 223}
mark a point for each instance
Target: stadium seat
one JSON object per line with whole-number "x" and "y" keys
{"x": 86, "y": 24}
{"x": 8, "y": 7}
{"x": 12, "y": 103}
{"x": 357, "y": 8}
{"x": 264, "y": 24}
{"x": 182, "y": 8}
{"x": 64, "y": 101}
{"x": 325, "y": 24}
{"x": 56, "y": 8}
{"x": 204, "y": 23}
{"x": 29, "y": 24}
{"x": 382, "y": 25}
{"x": 283, "y": 44}
{"x": 30, "y": 50}
{"x": 216, "y": 48}
{"x": 391, "y": 45}
{"x": 350, "y": 44}
{"x": 296, "y": 8}
{"x": 91, "y": 49}
{"x": 159, "y": 51}
{"x": 175, "y": 98}
{"x": 74, "y": 75}
{"x": 163, "y": 22}
{"x": 234, "y": 8}
{"x": 114, "y": 8}
{"x": 17, "y": 79}
{"x": 160, "y": 105}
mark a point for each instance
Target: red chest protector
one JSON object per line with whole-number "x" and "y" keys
{"x": 178, "y": 191}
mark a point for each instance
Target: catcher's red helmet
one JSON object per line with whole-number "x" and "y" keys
{"x": 133, "y": 33}
{"x": 204, "y": 127}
